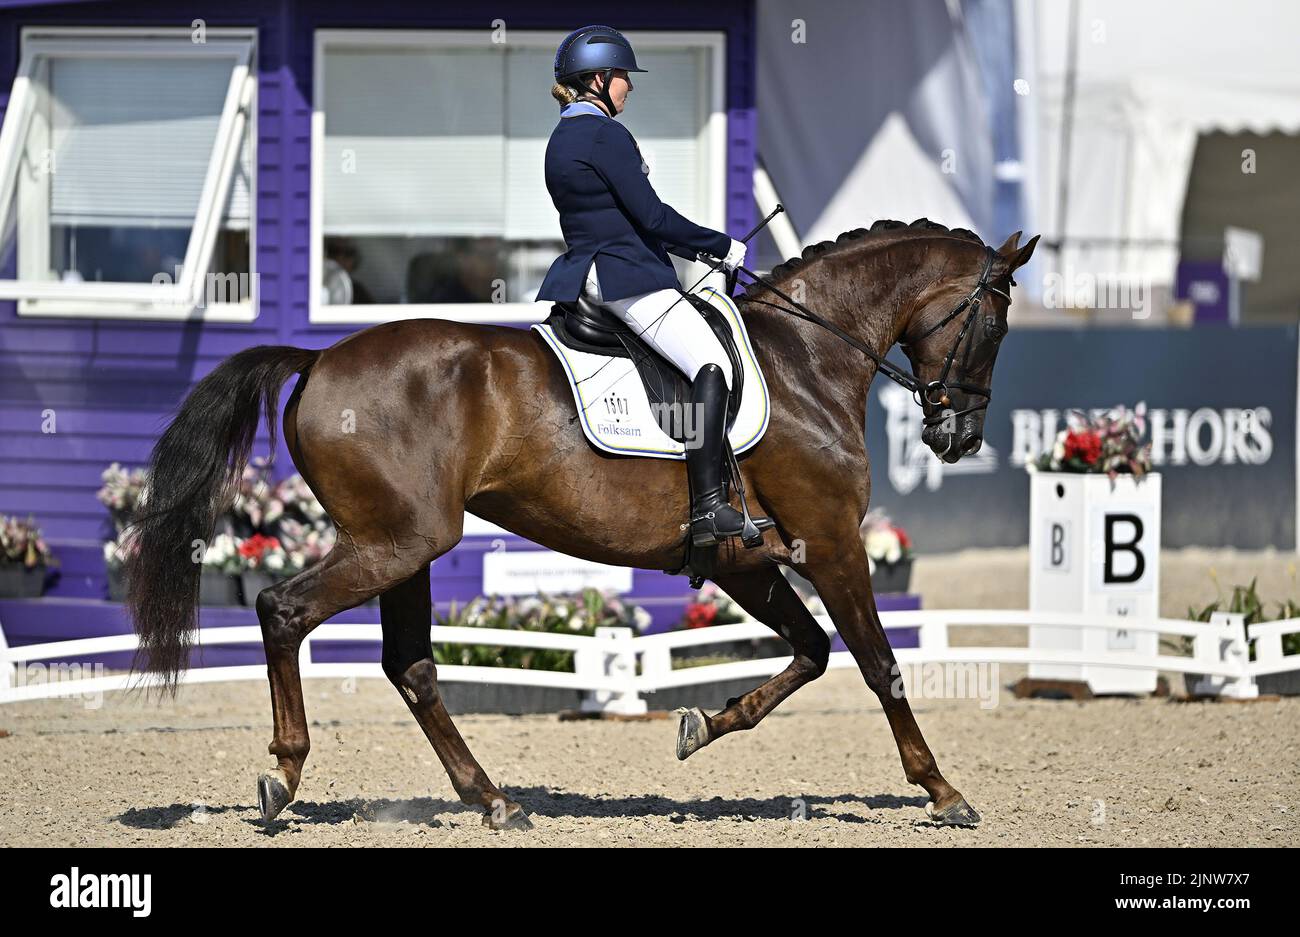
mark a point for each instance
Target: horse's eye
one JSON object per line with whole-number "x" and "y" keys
{"x": 993, "y": 330}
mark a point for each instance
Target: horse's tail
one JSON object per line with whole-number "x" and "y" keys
{"x": 192, "y": 476}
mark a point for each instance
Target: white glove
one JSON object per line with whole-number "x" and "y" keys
{"x": 735, "y": 257}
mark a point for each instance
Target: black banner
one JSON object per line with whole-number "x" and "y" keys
{"x": 1221, "y": 408}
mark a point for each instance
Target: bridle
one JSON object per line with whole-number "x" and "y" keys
{"x": 937, "y": 392}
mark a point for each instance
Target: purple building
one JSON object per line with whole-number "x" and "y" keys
{"x": 181, "y": 182}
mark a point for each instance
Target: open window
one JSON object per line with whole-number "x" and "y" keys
{"x": 428, "y": 181}
{"x": 126, "y": 175}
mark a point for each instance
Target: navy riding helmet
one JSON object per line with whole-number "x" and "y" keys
{"x": 594, "y": 49}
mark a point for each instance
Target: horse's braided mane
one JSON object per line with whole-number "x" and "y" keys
{"x": 883, "y": 229}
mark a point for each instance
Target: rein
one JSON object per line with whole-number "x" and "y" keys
{"x": 935, "y": 393}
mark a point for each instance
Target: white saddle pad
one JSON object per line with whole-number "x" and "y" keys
{"x": 616, "y": 414}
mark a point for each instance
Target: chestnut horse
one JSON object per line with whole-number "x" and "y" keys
{"x": 402, "y": 428}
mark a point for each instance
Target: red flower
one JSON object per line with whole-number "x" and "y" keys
{"x": 1085, "y": 445}
{"x": 700, "y": 615}
{"x": 904, "y": 540}
{"x": 256, "y": 546}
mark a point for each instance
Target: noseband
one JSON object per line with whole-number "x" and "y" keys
{"x": 935, "y": 393}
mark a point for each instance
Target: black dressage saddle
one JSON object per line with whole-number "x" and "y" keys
{"x": 586, "y": 327}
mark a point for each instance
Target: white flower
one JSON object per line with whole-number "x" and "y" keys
{"x": 1058, "y": 448}
{"x": 884, "y": 545}
{"x": 274, "y": 561}
{"x": 641, "y": 618}
{"x": 575, "y": 623}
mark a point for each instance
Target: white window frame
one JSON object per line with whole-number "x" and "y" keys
{"x": 714, "y": 177}
{"x": 148, "y": 301}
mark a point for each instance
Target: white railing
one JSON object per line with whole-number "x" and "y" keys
{"x": 614, "y": 668}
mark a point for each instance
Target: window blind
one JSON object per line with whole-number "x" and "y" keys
{"x": 132, "y": 140}
{"x": 413, "y": 142}
{"x": 428, "y": 142}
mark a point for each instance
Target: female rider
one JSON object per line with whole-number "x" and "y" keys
{"x": 618, "y": 235}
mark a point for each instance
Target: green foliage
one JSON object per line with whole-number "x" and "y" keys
{"x": 1245, "y": 601}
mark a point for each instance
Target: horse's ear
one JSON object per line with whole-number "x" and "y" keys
{"x": 1021, "y": 257}
{"x": 1006, "y": 249}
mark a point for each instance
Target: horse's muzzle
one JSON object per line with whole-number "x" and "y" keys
{"x": 950, "y": 447}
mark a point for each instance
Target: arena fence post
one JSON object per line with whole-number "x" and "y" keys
{"x": 656, "y": 663}
{"x": 618, "y": 662}
{"x": 933, "y": 634}
{"x": 1226, "y": 646}
{"x": 1268, "y": 648}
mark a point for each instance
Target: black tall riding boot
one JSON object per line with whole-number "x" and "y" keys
{"x": 712, "y": 518}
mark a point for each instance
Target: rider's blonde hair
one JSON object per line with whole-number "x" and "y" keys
{"x": 565, "y": 94}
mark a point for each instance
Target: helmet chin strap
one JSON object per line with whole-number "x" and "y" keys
{"x": 603, "y": 94}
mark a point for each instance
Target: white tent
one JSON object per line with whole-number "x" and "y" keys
{"x": 1150, "y": 77}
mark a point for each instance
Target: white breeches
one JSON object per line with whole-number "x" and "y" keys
{"x": 680, "y": 333}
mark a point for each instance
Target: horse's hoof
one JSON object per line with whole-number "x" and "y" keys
{"x": 692, "y": 733}
{"x": 958, "y": 813}
{"x": 272, "y": 794}
{"x": 511, "y": 817}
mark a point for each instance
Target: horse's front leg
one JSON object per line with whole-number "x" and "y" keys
{"x": 769, "y": 597}
{"x": 843, "y": 581}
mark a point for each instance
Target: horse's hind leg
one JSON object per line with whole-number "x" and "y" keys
{"x": 769, "y": 597}
{"x": 288, "y": 612}
{"x": 407, "y": 614}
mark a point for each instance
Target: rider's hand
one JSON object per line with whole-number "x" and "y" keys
{"x": 735, "y": 257}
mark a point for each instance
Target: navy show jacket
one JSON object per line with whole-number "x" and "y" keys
{"x": 610, "y": 213}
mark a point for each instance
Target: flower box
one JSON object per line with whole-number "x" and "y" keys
{"x": 251, "y": 583}
{"x": 892, "y": 577}
{"x": 21, "y": 582}
{"x": 24, "y": 558}
{"x": 889, "y": 553}
{"x": 217, "y": 588}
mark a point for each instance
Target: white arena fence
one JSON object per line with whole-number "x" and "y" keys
{"x": 616, "y": 669}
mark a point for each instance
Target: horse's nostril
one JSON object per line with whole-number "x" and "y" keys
{"x": 971, "y": 445}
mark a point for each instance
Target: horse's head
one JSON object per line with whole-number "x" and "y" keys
{"x": 953, "y": 347}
